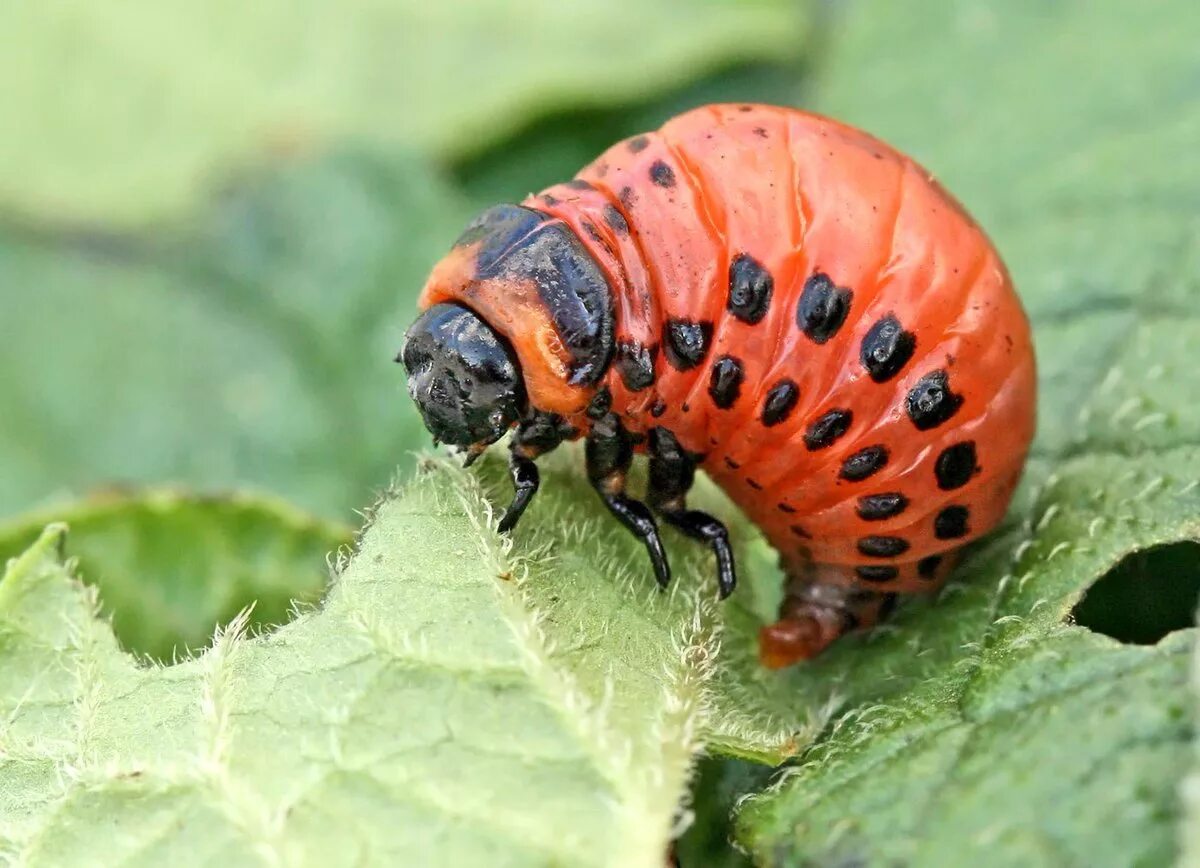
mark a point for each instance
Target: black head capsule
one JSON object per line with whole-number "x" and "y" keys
{"x": 464, "y": 378}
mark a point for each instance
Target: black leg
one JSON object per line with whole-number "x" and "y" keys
{"x": 609, "y": 454}
{"x": 703, "y": 527}
{"x": 535, "y": 436}
{"x": 672, "y": 472}
{"x": 525, "y": 481}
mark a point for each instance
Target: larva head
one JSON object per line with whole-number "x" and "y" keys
{"x": 530, "y": 281}
{"x": 463, "y": 376}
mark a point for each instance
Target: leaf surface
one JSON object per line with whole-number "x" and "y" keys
{"x": 985, "y": 721}
{"x": 144, "y": 104}
{"x": 450, "y": 702}
{"x": 171, "y": 566}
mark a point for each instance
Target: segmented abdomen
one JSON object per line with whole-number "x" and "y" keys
{"x": 809, "y": 311}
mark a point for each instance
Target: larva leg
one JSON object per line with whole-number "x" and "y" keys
{"x": 609, "y": 454}
{"x": 672, "y": 472}
{"x": 815, "y": 613}
{"x": 534, "y": 437}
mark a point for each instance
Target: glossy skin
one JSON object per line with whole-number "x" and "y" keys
{"x": 815, "y": 321}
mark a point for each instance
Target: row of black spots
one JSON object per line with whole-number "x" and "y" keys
{"x": 725, "y": 382}
{"x": 956, "y": 465}
{"x": 953, "y": 522}
{"x": 931, "y": 401}
{"x": 686, "y": 342}
{"x": 878, "y": 507}
{"x": 827, "y": 429}
{"x": 662, "y": 174}
{"x": 876, "y": 573}
{"x": 635, "y": 364}
{"x": 882, "y": 546}
{"x": 864, "y": 463}
{"x": 750, "y": 289}
{"x": 615, "y": 219}
{"x": 780, "y": 401}
{"x": 822, "y": 307}
{"x": 886, "y": 348}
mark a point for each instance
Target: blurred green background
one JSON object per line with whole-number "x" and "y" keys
{"x": 214, "y": 218}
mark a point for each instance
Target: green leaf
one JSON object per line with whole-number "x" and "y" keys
{"x": 124, "y": 114}
{"x": 985, "y": 721}
{"x": 170, "y": 566}
{"x": 557, "y": 146}
{"x": 251, "y": 347}
{"x": 455, "y": 700}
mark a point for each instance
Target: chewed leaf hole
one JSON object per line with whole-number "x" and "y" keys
{"x": 1149, "y": 594}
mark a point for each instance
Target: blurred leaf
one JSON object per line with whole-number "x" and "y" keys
{"x": 554, "y": 148}
{"x": 450, "y": 703}
{"x": 718, "y": 785}
{"x": 981, "y": 722}
{"x": 170, "y": 567}
{"x": 984, "y": 722}
{"x": 253, "y": 346}
{"x": 1079, "y": 168}
{"x": 123, "y": 113}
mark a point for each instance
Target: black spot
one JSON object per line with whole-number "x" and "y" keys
{"x": 864, "y": 463}
{"x": 592, "y": 232}
{"x": 659, "y": 407}
{"x": 780, "y": 402}
{"x": 800, "y": 532}
{"x": 686, "y": 342}
{"x": 822, "y": 308}
{"x": 750, "y": 288}
{"x": 754, "y": 483}
{"x": 783, "y": 507}
{"x": 635, "y": 363}
{"x": 927, "y": 567}
{"x": 887, "y": 605}
{"x": 951, "y": 523}
{"x": 579, "y": 184}
{"x": 882, "y": 546}
{"x": 745, "y": 108}
{"x": 638, "y": 144}
{"x": 761, "y": 132}
{"x": 662, "y": 174}
{"x": 627, "y": 196}
{"x": 956, "y": 465}
{"x": 725, "y": 383}
{"x": 731, "y": 464}
{"x": 931, "y": 402}
{"x": 877, "y": 507}
{"x": 824, "y": 431}
{"x": 877, "y": 573}
{"x": 616, "y": 220}
{"x": 600, "y": 404}
{"x": 686, "y": 407}
{"x": 886, "y": 348}
{"x": 548, "y": 199}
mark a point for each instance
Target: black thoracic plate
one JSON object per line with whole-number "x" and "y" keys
{"x": 578, "y": 299}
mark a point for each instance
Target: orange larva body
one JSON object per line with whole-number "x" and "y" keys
{"x": 810, "y": 315}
